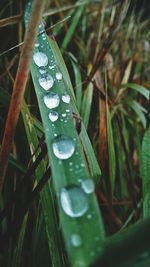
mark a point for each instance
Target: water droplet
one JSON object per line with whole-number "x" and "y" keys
{"x": 53, "y": 116}
{"x": 59, "y": 76}
{"x": 66, "y": 98}
{"x": 40, "y": 59}
{"x": 76, "y": 240}
{"x": 82, "y": 165}
{"x": 51, "y": 67}
{"x": 87, "y": 186}
{"x": 63, "y": 115}
{"x": 36, "y": 45}
{"x": 73, "y": 201}
{"x": 63, "y": 147}
{"x": 70, "y": 163}
{"x": 67, "y": 110}
{"x": 51, "y": 100}
{"x": 46, "y": 82}
{"x": 89, "y": 216}
{"x": 42, "y": 70}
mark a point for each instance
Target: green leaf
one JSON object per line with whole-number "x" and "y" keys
{"x": 139, "y": 110}
{"x": 111, "y": 151}
{"x": 79, "y": 214}
{"x": 145, "y": 172}
{"x": 87, "y": 104}
{"x": 78, "y": 81}
{"x": 16, "y": 261}
{"x": 71, "y": 30}
{"x": 127, "y": 248}
{"x": 140, "y": 89}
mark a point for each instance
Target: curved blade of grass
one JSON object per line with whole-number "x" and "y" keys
{"x": 145, "y": 172}
{"x": 46, "y": 195}
{"x": 73, "y": 26}
{"x": 40, "y": 243}
{"x": 78, "y": 81}
{"x": 16, "y": 261}
{"x": 86, "y": 104}
{"x": 111, "y": 152}
{"x": 129, "y": 247}
{"x": 140, "y": 89}
{"x": 139, "y": 110}
{"x": 69, "y": 173}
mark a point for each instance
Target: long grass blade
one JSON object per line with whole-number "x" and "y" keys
{"x": 79, "y": 214}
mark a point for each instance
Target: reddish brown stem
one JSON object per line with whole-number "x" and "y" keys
{"x": 19, "y": 86}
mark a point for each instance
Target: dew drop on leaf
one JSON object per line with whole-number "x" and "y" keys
{"x": 66, "y": 98}
{"x": 46, "y": 82}
{"x": 40, "y": 59}
{"x": 76, "y": 240}
{"x": 63, "y": 147}
{"x": 59, "y": 76}
{"x": 73, "y": 201}
{"x": 88, "y": 186}
{"x": 53, "y": 116}
{"x": 51, "y": 67}
{"x": 89, "y": 216}
{"x": 36, "y": 44}
{"x": 51, "y": 100}
{"x": 42, "y": 70}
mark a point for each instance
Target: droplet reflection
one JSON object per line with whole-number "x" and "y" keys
{"x": 63, "y": 147}
{"x": 40, "y": 59}
{"x": 51, "y": 100}
{"x": 74, "y": 201}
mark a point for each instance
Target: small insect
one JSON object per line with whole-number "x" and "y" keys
{"x": 77, "y": 120}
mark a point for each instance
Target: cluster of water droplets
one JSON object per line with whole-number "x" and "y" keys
{"x": 46, "y": 81}
{"x": 74, "y": 199}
